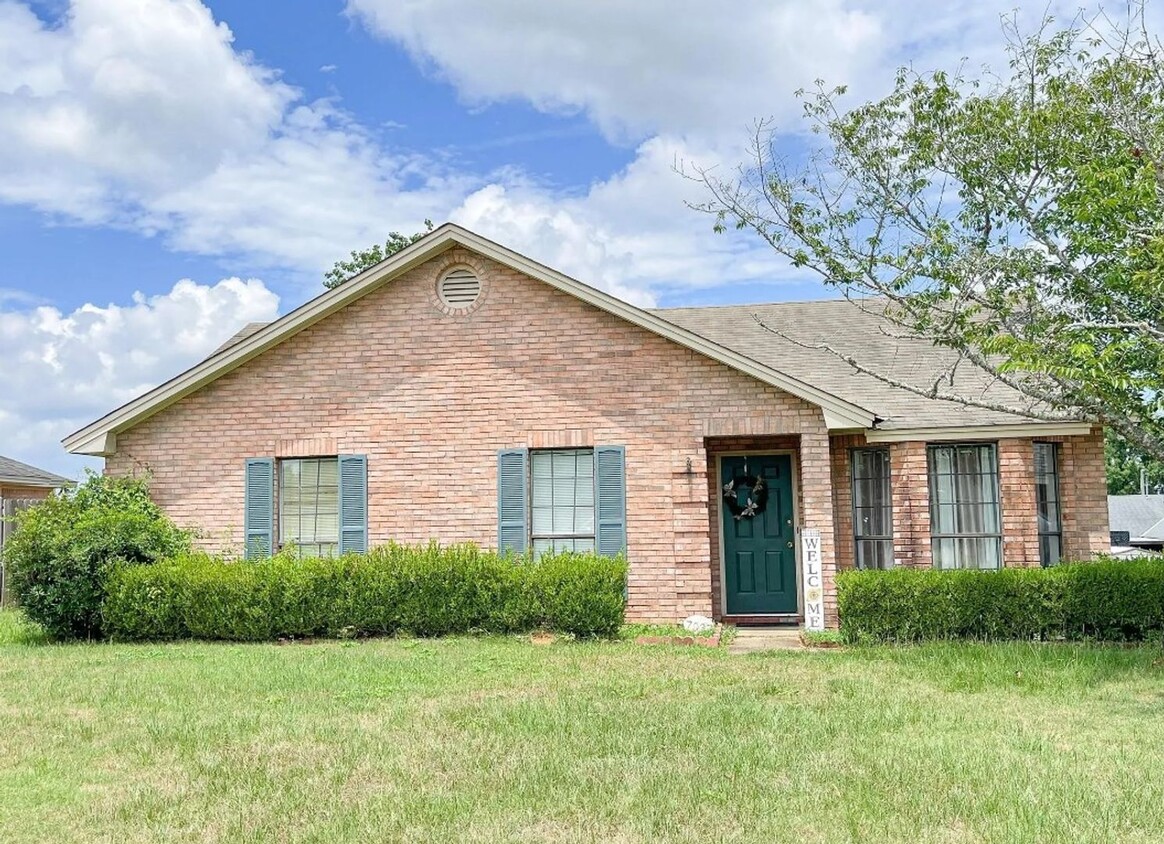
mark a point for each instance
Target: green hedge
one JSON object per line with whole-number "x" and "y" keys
{"x": 1109, "y": 600}
{"x": 426, "y": 591}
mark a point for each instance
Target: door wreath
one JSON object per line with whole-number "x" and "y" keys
{"x": 757, "y": 498}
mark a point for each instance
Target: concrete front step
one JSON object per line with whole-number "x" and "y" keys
{"x": 750, "y": 640}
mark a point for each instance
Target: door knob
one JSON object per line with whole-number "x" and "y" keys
{"x": 790, "y": 543}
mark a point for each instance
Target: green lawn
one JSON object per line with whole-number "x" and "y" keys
{"x": 498, "y": 740}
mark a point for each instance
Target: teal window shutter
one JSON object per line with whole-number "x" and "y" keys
{"x": 353, "y": 503}
{"x": 512, "y": 493}
{"x": 610, "y": 499}
{"x": 259, "y": 508}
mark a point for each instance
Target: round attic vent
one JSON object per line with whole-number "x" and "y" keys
{"x": 459, "y": 288}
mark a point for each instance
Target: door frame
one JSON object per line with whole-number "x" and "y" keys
{"x": 793, "y": 454}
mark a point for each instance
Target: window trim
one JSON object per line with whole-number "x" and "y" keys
{"x": 858, "y": 539}
{"x": 932, "y": 477}
{"x": 531, "y": 535}
{"x": 278, "y": 542}
{"x": 1056, "y": 482}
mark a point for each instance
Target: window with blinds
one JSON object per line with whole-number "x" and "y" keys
{"x": 309, "y": 506}
{"x": 562, "y": 500}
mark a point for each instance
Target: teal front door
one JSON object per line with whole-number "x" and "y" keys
{"x": 759, "y": 542}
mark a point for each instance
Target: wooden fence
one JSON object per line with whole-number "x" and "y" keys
{"x": 9, "y": 507}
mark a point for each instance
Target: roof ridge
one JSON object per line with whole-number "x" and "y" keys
{"x": 835, "y": 300}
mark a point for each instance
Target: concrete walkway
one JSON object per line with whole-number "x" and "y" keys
{"x": 750, "y": 640}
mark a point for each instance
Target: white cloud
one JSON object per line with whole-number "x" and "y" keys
{"x": 631, "y": 234}
{"x": 63, "y": 370}
{"x": 682, "y": 67}
{"x": 635, "y": 68}
{"x": 142, "y": 114}
{"x": 685, "y": 82}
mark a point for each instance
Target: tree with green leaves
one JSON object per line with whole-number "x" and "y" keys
{"x": 1016, "y": 221}
{"x": 362, "y": 259}
{"x": 1129, "y": 469}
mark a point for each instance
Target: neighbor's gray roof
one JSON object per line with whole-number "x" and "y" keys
{"x": 847, "y": 328}
{"x": 240, "y": 335}
{"x": 21, "y": 474}
{"x": 856, "y": 331}
{"x": 1142, "y": 516}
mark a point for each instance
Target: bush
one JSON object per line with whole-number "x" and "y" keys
{"x": 426, "y": 591}
{"x": 1110, "y": 600}
{"x": 62, "y": 548}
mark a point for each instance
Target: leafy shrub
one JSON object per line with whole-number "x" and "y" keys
{"x": 62, "y": 548}
{"x": 1112, "y": 600}
{"x": 426, "y": 591}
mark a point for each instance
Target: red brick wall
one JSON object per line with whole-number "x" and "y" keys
{"x": 1020, "y": 526}
{"x": 909, "y": 479}
{"x": 1083, "y": 489}
{"x": 1083, "y": 495}
{"x": 430, "y": 398}
{"x": 37, "y": 492}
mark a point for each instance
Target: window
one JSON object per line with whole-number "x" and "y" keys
{"x": 965, "y": 522}
{"x": 562, "y": 500}
{"x": 309, "y": 506}
{"x": 1047, "y": 503}
{"x": 872, "y": 508}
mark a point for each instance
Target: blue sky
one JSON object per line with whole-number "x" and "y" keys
{"x": 171, "y": 169}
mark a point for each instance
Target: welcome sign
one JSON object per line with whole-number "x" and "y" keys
{"x": 812, "y": 566}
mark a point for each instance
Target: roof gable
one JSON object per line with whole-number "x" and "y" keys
{"x": 99, "y": 437}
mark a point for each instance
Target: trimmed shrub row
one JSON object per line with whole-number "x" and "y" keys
{"x": 1109, "y": 600}
{"x": 426, "y": 591}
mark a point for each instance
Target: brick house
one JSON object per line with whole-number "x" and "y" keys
{"x": 460, "y": 391}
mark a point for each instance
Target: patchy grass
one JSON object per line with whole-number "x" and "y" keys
{"x": 492, "y": 739}
{"x": 633, "y": 631}
{"x": 15, "y": 629}
{"x": 822, "y": 638}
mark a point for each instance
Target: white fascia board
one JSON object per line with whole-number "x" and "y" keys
{"x": 979, "y": 432}
{"x": 102, "y": 443}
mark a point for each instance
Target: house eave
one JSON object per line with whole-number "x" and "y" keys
{"x": 34, "y": 483}
{"x": 1033, "y": 429}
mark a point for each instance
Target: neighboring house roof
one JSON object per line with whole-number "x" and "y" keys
{"x": 15, "y": 473}
{"x": 1140, "y": 516}
{"x": 240, "y": 335}
{"x": 845, "y": 405}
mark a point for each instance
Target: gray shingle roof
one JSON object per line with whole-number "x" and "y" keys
{"x": 240, "y": 335}
{"x": 1142, "y": 516}
{"x": 850, "y": 330}
{"x": 21, "y": 474}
